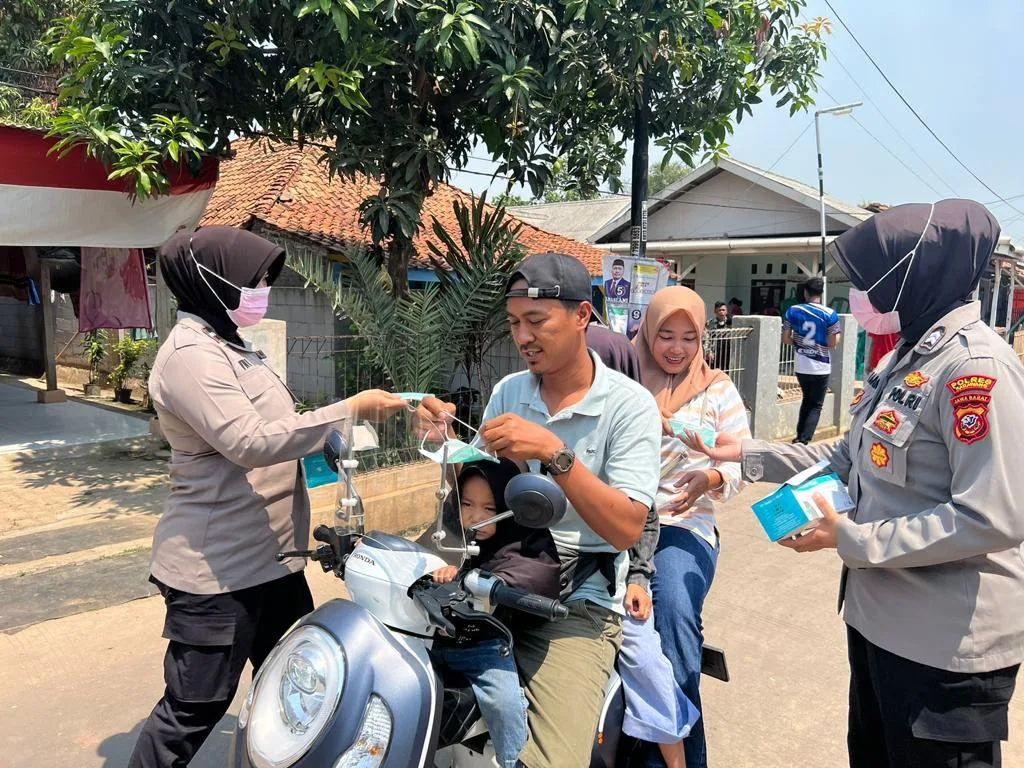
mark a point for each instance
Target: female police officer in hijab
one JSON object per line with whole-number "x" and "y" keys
{"x": 933, "y": 576}
{"x": 238, "y": 489}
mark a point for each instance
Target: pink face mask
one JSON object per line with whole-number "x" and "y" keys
{"x": 870, "y": 319}
{"x": 885, "y": 323}
{"x": 252, "y": 302}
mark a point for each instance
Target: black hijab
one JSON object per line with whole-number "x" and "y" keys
{"x": 236, "y": 255}
{"x": 954, "y": 252}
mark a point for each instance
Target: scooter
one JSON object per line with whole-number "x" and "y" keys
{"x": 352, "y": 685}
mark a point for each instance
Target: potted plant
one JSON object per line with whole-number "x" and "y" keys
{"x": 95, "y": 348}
{"x": 128, "y": 351}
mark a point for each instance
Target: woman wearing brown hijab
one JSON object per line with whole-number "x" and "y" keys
{"x": 691, "y": 396}
{"x": 238, "y": 489}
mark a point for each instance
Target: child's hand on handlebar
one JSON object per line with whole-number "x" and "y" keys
{"x": 445, "y": 575}
{"x": 638, "y": 602}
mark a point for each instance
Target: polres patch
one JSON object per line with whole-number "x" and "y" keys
{"x": 971, "y": 383}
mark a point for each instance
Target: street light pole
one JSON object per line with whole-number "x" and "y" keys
{"x": 842, "y": 109}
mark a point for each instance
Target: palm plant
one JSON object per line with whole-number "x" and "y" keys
{"x": 405, "y": 335}
{"x": 413, "y": 338}
{"x": 473, "y": 272}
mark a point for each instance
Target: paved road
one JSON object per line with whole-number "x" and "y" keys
{"x": 76, "y": 689}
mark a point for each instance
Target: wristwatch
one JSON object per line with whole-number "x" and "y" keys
{"x": 561, "y": 462}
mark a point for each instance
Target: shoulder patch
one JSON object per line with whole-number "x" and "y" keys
{"x": 971, "y": 383}
{"x": 916, "y": 380}
{"x": 970, "y": 403}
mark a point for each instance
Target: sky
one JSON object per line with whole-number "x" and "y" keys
{"x": 958, "y": 64}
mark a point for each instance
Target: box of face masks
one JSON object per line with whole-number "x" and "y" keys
{"x": 791, "y": 509}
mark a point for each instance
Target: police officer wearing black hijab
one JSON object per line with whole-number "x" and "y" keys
{"x": 933, "y": 576}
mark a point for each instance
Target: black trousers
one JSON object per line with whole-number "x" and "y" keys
{"x": 814, "y": 388}
{"x": 211, "y": 638}
{"x": 909, "y": 715}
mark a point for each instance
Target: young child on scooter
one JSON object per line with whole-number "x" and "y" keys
{"x": 523, "y": 558}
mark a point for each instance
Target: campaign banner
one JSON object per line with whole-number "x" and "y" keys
{"x": 629, "y": 286}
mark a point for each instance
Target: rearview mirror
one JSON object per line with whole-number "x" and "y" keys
{"x": 536, "y": 501}
{"x": 335, "y": 449}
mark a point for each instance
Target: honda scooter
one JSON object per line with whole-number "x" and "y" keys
{"x": 352, "y": 685}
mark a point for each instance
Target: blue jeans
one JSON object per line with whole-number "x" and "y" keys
{"x": 685, "y": 566}
{"x": 495, "y": 682}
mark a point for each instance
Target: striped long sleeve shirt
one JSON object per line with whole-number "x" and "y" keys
{"x": 721, "y": 408}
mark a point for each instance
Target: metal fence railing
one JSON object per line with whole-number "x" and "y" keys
{"x": 324, "y": 369}
{"x": 789, "y": 387}
{"x": 725, "y": 350}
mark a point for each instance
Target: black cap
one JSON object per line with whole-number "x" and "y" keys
{"x": 618, "y": 263}
{"x": 552, "y": 276}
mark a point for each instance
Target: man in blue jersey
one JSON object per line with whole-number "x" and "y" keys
{"x": 813, "y": 329}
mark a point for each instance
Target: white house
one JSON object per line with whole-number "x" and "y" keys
{"x": 731, "y": 230}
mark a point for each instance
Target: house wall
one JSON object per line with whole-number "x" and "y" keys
{"x": 728, "y": 206}
{"x": 719, "y": 277}
{"x": 21, "y": 340}
{"x": 312, "y": 373}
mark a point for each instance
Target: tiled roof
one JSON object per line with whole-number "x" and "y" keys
{"x": 288, "y": 188}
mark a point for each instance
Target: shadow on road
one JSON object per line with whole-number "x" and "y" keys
{"x": 116, "y": 750}
{"x": 107, "y": 481}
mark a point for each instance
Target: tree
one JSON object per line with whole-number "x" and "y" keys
{"x": 27, "y": 76}
{"x": 665, "y": 174}
{"x": 402, "y": 90}
{"x": 414, "y": 337}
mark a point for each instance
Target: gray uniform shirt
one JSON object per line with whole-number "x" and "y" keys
{"x": 932, "y": 553}
{"x": 238, "y": 491}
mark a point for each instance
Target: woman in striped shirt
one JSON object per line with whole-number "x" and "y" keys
{"x": 691, "y": 397}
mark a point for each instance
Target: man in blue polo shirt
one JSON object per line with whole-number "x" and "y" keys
{"x": 813, "y": 329}
{"x": 598, "y": 434}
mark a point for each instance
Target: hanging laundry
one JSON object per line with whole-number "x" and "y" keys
{"x": 114, "y": 292}
{"x": 14, "y": 279}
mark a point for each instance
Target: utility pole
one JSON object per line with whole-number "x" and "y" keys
{"x": 638, "y": 202}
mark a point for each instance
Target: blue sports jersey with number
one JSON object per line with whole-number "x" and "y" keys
{"x": 811, "y": 326}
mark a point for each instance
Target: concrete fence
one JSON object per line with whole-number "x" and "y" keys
{"x": 766, "y": 385}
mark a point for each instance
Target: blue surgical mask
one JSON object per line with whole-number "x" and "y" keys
{"x": 459, "y": 452}
{"x": 680, "y": 428}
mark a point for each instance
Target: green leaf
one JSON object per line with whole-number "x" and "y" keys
{"x": 174, "y": 150}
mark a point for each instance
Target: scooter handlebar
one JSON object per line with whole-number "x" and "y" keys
{"x": 528, "y": 602}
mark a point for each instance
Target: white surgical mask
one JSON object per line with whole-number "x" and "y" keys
{"x": 874, "y": 320}
{"x": 252, "y": 302}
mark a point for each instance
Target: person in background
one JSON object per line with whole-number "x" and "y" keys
{"x": 735, "y": 307}
{"x": 238, "y": 490}
{"x": 690, "y": 396}
{"x": 813, "y": 330}
{"x": 933, "y": 578}
{"x": 657, "y": 710}
{"x": 717, "y": 350}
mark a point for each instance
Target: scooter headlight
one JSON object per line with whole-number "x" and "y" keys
{"x": 371, "y": 745}
{"x": 294, "y": 698}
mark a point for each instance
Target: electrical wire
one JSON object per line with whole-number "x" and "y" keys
{"x": 883, "y": 145}
{"x": 914, "y": 112}
{"x": 867, "y": 97}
